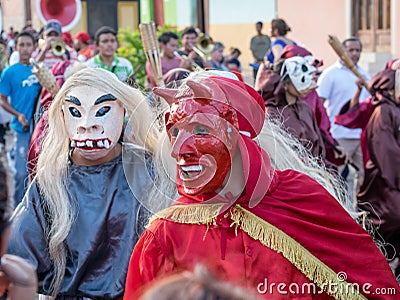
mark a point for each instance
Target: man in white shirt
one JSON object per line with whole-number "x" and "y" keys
{"x": 337, "y": 85}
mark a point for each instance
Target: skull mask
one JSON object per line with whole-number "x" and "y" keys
{"x": 300, "y": 72}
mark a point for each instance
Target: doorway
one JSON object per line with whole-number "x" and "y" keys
{"x": 371, "y": 24}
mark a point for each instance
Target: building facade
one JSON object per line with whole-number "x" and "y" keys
{"x": 232, "y": 22}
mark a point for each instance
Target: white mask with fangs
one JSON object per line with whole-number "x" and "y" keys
{"x": 94, "y": 121}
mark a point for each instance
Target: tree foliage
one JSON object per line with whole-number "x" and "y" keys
{"x": 131, "y": 48}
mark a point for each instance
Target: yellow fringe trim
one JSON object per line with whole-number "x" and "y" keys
{"x": 270, "y": 236}
{"x": 190, "y": 213}
{"x": 313, "y": 268}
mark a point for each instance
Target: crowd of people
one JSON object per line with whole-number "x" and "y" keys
{"x": 206, "y": 187}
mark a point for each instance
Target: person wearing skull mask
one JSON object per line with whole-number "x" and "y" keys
{"x": 334, "y": 153}
{"x": 282, "y": 102}
{"x": 77, "y": 224}
{"x": 241, "y": 218}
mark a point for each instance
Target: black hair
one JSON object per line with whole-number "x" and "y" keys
{"x": 104, "y": 30}
{"x": 25, "y": 33}
{"x": 189, "y": 30}
{"x": 217, "y": 45}
{"x": 234, "y": 50}
{"x": 281, "y": 25}
{"x": 165, "y": 37}
{"x": 352, "y": 39}
{"x": 277, "y": 67}
{"x": 260, "y": 23}
{"x": 285, "y": 78}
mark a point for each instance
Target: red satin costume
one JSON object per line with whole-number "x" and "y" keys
{"x": 285, "y": 229}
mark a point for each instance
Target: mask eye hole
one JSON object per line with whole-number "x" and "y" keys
{"x": 200, "y": 130}
{"x": 175, "y": 132}
{"x": 304, "y": 68}
{"x": 74, "y": 112}
{"x": 103, "y": 111}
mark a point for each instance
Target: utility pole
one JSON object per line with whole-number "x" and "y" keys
{"x": 203, "y": 16}
{"x": 28, "y": 12}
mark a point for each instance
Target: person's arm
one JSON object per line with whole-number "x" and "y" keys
{"x": 7, "y": 107}
{"x": 149, "y": 74}
{"x": 146, "y": 263}
{"x": 21, "y": 276}
{"x": 186, "y": 63}
{"x": 382, "y": 131}
{"x": 195, "y": 56}
{"x": 356, "y": 98}
{"x": 276, "y": 51}
{"x": 42, "y": 52}
{"x": 27, "y": 235}
{"x": 254, "y": 55}
{"x": 252, "y": 44}
{"x": 46, "y": 47}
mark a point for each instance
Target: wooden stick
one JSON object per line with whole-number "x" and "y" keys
{"x": 152, "y": 50}
{"x": 344, "y": 56}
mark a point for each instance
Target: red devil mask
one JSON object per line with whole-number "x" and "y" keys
{"x": 203, "y": 125}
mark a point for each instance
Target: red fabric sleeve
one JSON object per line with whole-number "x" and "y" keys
{"x": 356, "y": 117}
{"x": 146, "y": 262}
{"x": 383, "y": 144}
{"x": 305, "y": 211}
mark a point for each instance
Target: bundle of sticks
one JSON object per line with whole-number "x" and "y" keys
{"x": 344, "y": 56}
{"x": 152, "y": 50}
{"x": 45, "y": 77}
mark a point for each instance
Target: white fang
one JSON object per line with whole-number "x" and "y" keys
{"x": 196, "y": 168}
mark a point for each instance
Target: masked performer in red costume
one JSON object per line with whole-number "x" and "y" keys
{"x": 248, "y": 223}
{"x": 77, "y": 222}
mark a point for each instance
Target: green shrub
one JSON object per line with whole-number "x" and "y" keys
{"x": 131, "y": 48}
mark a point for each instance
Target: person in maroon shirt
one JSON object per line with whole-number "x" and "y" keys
{"x": 379, "y": 194}
{"x": 356, "y": 114}
{"x": 282, "y": 96}
{"x": 169, "y": 46}
{"x": 334, "y": 153}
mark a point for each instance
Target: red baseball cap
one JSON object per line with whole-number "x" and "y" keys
{"x": 84, "y": 37}
{"x": 67, "y": 37}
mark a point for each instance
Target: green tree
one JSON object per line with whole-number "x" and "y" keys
{"x": 131, "y": 48}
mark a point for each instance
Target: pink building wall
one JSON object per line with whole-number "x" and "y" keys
{"x": 14, "y": 14}
{"x": 395, "y": 10}
{"x": 312, "y": 21}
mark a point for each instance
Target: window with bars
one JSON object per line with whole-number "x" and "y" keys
{"x": 371, "y": 23}
{"x": 369, "y": 12}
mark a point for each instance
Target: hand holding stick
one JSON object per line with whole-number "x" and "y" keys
{"x": 45, "y": 77}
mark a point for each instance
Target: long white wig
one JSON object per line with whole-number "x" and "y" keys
{"x": 52, "y": 167}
